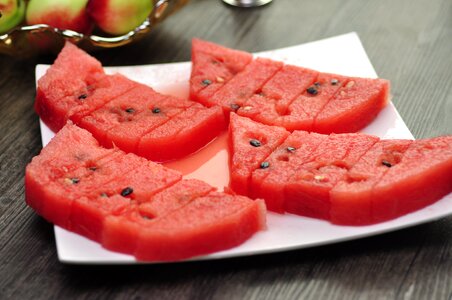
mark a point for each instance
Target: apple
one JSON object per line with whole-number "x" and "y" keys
{"x": 62, "y": 14}
{"x": 118, "y": 16}
{"x": 12, "y": 13}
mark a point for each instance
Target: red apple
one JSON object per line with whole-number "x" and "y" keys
{"x": 119, "y": 16}
{"x": 62, "y": 14}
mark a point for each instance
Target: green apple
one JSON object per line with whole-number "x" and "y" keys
{"x": 62, "y": 14}
{"x": 119, "y": 16}
{"x": 12, "y": 13}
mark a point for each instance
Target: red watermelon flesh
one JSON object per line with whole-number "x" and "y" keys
{"x": 307, "y": 192}
{"x": 351, "y": 198}
{"x": 281, "y": 104}
{"x": 349, "y": 179}
{"x": 301, "y": 112}
{"x": 123, "y": 121}
{"x": 269, "y": 183}
{"x": 277, "y": 94}
{"x": 423, "y": 176}
{"x": 183, "y": 134}
{"x": 88, "y": 214}
{"x": 145, "y": 180}
{"x": 121, "y": 233}
{"x": 98, "y": 95}
{"x": 249, "y": 144}
{"x": 174, "y": 197}
{"x": 126, "y": 114}
{"x": 101, "y": 199}
{"x": 82, "y": 102}
{"x": 223, "y": 220}
{"x": 212, "y": 66}
{"x": 245, "y": 84}
{"x": 58, "y": 195}
{"x": 137, "y": 185}
{"x": 67, "y": 77}
{"x": 355, "y": 105}
{"x": 60, "y": 160}
{"x": 210, "y": 223}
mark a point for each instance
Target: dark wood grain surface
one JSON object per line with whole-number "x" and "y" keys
{"x": 408, "y": 42}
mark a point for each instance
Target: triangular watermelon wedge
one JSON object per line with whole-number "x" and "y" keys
{"x": 212, "y": 66}
{"x": 249, "y": 144}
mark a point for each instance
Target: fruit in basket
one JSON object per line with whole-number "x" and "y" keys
{"x": 62, "y": 14}
{"x": 12, "y": 13}
{"x": 117, "y": 16}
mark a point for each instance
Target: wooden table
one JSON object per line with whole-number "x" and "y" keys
{"x": 408, "y": 42}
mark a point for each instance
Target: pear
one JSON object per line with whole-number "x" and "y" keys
{"x": 12, "y": 13}
{"x": 62, "y": 14}
{"x": 118, "y": 16}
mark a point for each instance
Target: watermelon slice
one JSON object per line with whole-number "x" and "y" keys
{"x": 67, "y": 77}
{"x": 213, "y": 66}
{"x": 351, "y": 199}
{"x": 354, "y": 106}
{"x": 245, "y": 84}
{"x": 129, "y": 204}
{"x": 307, "y": 192}
{"x": 122, "y": 113}
{"x": 61, "y": 160}
{"x": 210, "y": 223}
{"x": 249, "y": 144}
{"x": 184, "y": 133}
{"x": 269, "y": 183}
{"x": 351, "y": 179}
{"x": 423, "y": 175}
{"x": 123, "y": 121}
{"x": 294, "y": 97}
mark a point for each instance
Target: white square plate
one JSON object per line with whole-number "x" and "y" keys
{"x": 343, "y": 55}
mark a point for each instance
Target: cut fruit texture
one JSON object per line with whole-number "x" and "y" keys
{"x": 120, "y": 112}
{"x": 128, "y": 204}
{"x": 213, "y": 66}
{"x": 289, "y": 96}
{"x": 249, "y": 144}
{"x": 350, "y": 179}
{"x": 245, "y": 84}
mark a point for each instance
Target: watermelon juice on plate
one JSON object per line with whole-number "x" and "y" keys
{"x": 342, "y": 55}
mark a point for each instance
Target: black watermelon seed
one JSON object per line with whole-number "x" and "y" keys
{"x": 386, "y": 163}
{"x": 93, "y": 168}
{"x": 130, "y": 110}
{"x": 312, "y": 90}
{"x": 255, "y": 143}
{"x": 317, "y": 83}
{"x": 334, "y": 81}
{"x": 126, "y": 192}
{"x": 290, "y": 149}
{"x": 82, "y": 96}
{"x": 206, "y": 82}
{"x": 265, "y": 165}
{"x": 75, "y": 180}
{"x": 156, "y": 110}
{"x": 234, "y": 106}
